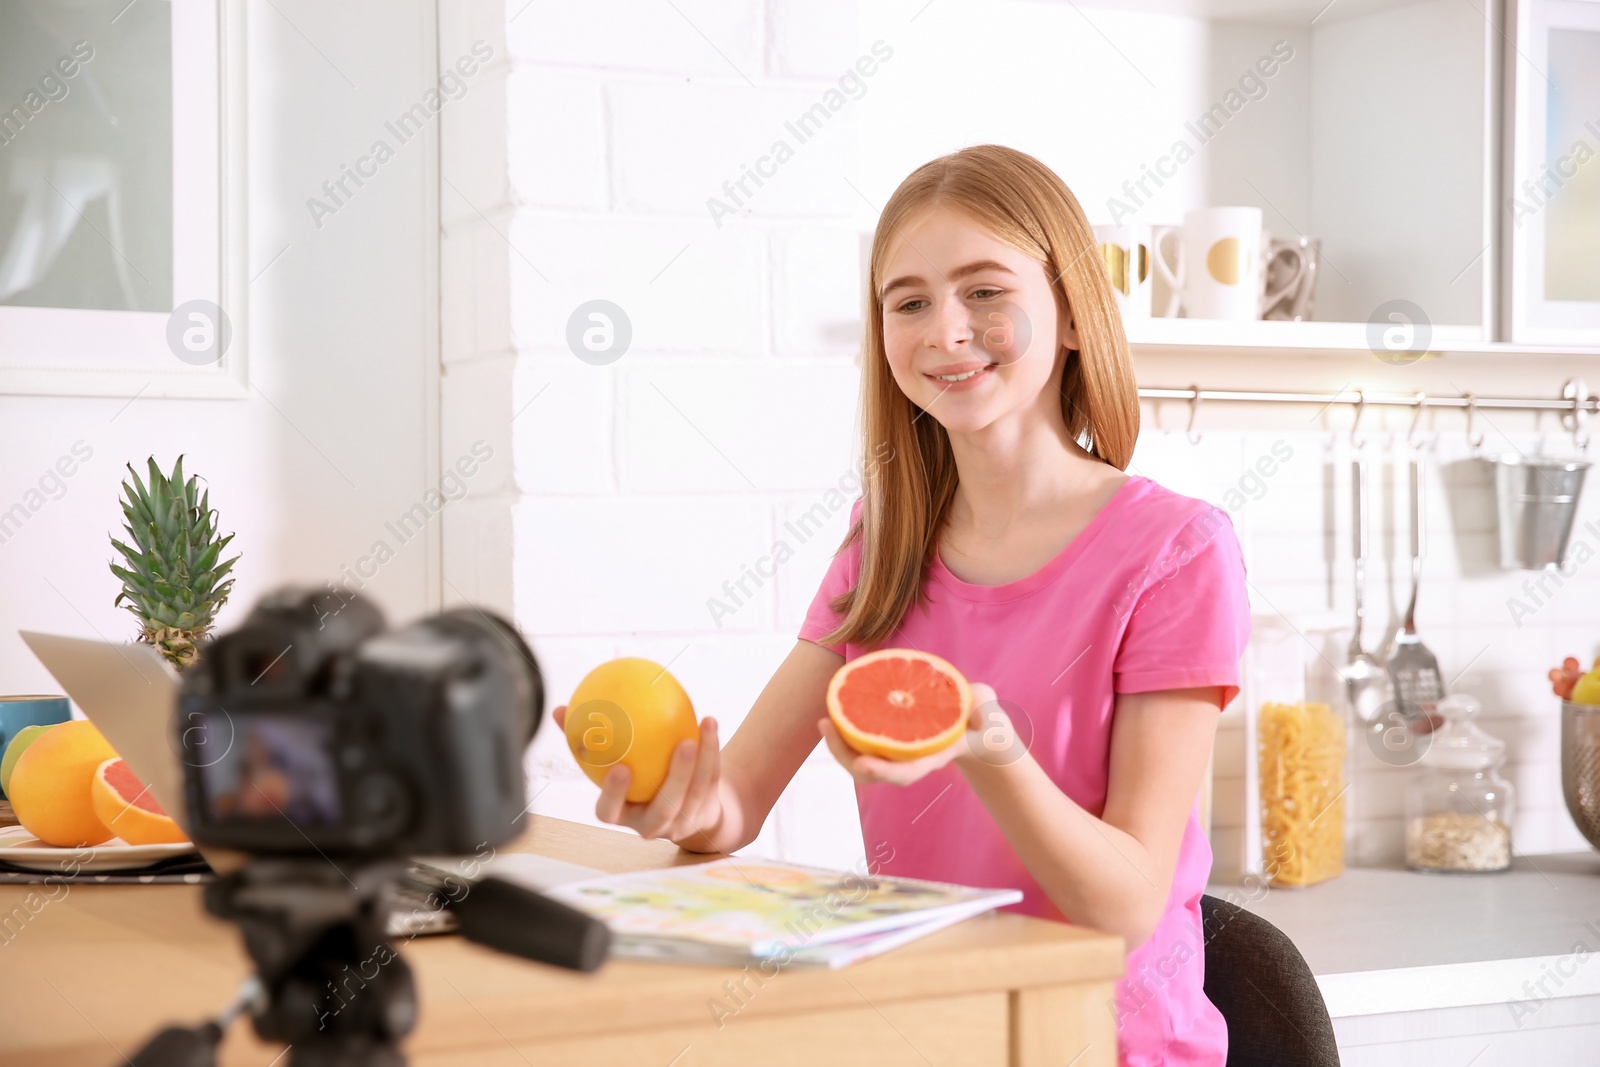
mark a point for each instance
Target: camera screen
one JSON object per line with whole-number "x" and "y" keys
{"x": 272, "y": 767}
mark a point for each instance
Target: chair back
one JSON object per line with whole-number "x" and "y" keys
{"x": 1265, "y": 991}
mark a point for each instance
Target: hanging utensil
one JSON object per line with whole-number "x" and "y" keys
{"x": 1413, "y": 670}
{"x": 1366, "y": 682}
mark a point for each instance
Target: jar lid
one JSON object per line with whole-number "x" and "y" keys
{"x": 1460, "y": 744}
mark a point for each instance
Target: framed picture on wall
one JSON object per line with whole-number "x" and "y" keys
{"x": 122, "y": 211}
{"x": 1552, "y": 172}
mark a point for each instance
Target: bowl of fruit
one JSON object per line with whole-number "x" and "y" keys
{"x": 1580, "y": 743}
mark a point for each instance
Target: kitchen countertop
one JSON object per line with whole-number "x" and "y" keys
{"x": 1389, "y": 939}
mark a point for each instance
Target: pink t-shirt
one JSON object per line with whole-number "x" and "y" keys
{"x": 1150, "y": 595}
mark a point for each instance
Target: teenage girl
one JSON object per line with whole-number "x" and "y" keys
{"x": 1100, "y": 616}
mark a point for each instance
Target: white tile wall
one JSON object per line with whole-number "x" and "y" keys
{"x": 1298, "y": 558}
{"x": 624, "y": 497}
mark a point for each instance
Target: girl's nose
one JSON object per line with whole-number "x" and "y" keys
{"x": 951, "y": 329}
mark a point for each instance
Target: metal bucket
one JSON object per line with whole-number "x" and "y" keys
{"x": 1538, "y": 503}
{"x": 1580, "y": 766}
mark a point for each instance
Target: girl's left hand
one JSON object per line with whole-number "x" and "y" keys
{"x": 869, "y": 769}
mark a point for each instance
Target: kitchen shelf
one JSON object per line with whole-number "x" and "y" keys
{"x": 1280, "y": 12}
{"x": 1203, "y": 337}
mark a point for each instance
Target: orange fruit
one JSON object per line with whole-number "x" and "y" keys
{"x": 899, "y": 703}
{"x": 126, "y": 807}
{"x": 629, "y": 711}
{"x": 50, "y": 785}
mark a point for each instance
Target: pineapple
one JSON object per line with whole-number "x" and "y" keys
{"x": 173, "y": 583}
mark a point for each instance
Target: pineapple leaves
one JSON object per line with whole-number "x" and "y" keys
{"x": 172, "y": 580}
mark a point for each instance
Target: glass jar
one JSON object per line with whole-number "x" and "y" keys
{"x": 1301, "y": 742}
{"x": 1458, "y": 807}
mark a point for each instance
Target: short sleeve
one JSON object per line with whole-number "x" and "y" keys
{"x": 841, "y": 576}
{"x": 1191, "y": 620}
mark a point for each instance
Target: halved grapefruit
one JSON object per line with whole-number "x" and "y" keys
{"x": 899, "y": 703}
{"x": 128, "y": 810}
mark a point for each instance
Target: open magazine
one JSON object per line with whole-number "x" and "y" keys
{"x": 734, "y": 911}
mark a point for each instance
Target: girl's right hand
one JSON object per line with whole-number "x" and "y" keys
{"x": 688, "y": 806}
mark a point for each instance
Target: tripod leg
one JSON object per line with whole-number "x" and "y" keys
{"x": 179, "y": 1046}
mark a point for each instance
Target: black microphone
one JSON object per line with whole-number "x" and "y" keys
{"x": 508, "y": 918}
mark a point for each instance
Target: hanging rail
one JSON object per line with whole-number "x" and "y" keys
{"x": 1194, "y": 394}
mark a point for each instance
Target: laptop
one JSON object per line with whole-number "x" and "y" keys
{"x": 130, "y": 693}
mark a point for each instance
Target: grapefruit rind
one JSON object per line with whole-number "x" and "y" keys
{"x": 891, "y": 748}
{"x": 131, "y": 818}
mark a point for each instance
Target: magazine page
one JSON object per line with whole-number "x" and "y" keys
{"x": 765, "y": 906}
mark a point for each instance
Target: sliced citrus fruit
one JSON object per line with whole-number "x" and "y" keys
{"x": 123, "y": 803}
{"x": 899, "y": 703}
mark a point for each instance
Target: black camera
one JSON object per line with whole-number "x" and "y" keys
{"x": 328, "y": 749}
{"x": 313, "y": 729}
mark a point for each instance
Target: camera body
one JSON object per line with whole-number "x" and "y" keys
{"x": 311, "y": 729}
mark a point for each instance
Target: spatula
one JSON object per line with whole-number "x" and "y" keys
{"x": 1413, "y": 670}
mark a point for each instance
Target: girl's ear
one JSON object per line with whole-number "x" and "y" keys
{"x": 1069, "y": 332}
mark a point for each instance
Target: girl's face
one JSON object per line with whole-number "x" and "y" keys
{"x": 970, "y": 324}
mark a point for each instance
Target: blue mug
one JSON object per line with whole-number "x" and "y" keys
{"x": 18, "y": 712}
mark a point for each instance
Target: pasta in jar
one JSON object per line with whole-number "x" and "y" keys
{"x": 1301, "y": 750}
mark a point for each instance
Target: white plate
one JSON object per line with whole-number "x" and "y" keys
{"x": 19, "y": 847}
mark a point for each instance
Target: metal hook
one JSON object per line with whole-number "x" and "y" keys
{"x": 1361, "y": 405}
{"x": 1475, "y": 440}
{"x": 1194, "y": 411}
{"x": 1416, "y": 421}
{"x": 1575, "y": 391}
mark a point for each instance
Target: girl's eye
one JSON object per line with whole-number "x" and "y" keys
{"x": 979, "y": 292}
{"x": 906, "y": 307}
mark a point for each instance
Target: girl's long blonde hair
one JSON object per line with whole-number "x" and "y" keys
{"x": 909, "y": 472}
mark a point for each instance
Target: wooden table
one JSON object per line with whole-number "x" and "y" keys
{"x": 87, "y": 977}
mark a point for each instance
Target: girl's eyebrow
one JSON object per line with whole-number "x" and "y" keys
{"x": 908, "y": 280}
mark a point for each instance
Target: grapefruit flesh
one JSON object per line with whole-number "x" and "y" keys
{"x": 50, "y": 793}
{"x": 899, "y": 703}
{"x": 128, "y": 809}
{"x": 629, "y": 711}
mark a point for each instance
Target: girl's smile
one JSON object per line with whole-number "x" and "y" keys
{"x": 959, "y": 377}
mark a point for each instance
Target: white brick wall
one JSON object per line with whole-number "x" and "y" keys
{"x": 622, "y": 497}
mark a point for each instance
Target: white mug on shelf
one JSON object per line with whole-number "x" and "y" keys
{"x": 1125, "y": 251}
{"x": 1169, "y": 308}
{"x": 1218, "y": 275}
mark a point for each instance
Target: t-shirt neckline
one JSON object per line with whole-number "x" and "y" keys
{"x": 1049, "y": 572}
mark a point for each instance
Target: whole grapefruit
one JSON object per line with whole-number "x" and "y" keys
{"x": 629, "y": 711}
{"x": 50, "y": 785}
